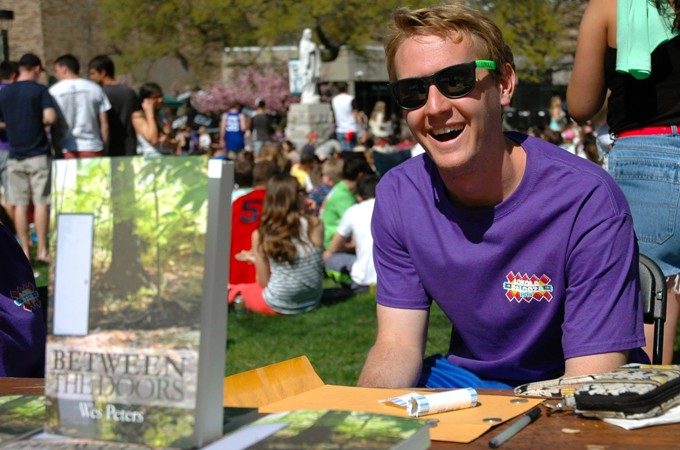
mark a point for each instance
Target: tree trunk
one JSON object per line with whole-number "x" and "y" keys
{"x": 125, "y": 275}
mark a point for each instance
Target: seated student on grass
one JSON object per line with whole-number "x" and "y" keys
{"x": 245, "y": 218}
{"x": 22, "y": 324}
{"x": 302, "y": 171}
{"x": 331, "y": 174}
{"x": 243, "y": 178}
{"x": 527, "y": 249}
{"x": 342, "y": 196}
{"x": 354, "y": 269}
{"x": 286, "y": 252}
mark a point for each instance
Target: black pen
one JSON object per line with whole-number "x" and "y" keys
{"x": 518, "y": 426}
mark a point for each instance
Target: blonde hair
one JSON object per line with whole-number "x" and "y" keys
{"x": 379, "y": 107}
{"x": 273, "y": 153}
{"x": 333, "y": 168}
{"x": 449, "y": 20}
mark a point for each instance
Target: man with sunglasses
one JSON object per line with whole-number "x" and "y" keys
{"x": 528, "y": 250}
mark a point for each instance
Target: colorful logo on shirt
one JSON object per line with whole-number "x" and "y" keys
{"x": 26, "y": 295}
{"x": 522, "y": 287}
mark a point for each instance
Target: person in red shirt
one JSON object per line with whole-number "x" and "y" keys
{"x": 245, "y": 217}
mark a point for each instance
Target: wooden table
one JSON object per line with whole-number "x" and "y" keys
{"x": 22, "y": 386}
{"x": 545, "y": 433}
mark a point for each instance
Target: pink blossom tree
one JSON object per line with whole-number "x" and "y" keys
{"x": 247, "y": 85}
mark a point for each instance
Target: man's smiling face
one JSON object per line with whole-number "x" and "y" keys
{"x": 452, "y": 131}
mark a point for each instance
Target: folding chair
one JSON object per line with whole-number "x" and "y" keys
{"x": 653, "y": 292}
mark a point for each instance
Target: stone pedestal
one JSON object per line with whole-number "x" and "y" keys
{"x": 303, "y": 119}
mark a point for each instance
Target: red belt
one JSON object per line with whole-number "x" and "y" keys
{"x": 646, "y": 131}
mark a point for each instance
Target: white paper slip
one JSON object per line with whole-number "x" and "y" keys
{"x": 420, "y": 405}
{"x": 670, "y": 416}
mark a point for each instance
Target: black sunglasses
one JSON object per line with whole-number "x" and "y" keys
{"x": 453, "y": 82}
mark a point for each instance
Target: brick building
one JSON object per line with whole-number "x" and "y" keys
{"x": 50, "y": 28}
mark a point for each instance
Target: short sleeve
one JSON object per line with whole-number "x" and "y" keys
{"x": 341, "y": 203}
{"x": 603, "y": 310}
{"x": 104, "y": 103}
{"x": 345, "y": 227}
{"x": 398, "y": 285}
{"x": 46, "y": 100}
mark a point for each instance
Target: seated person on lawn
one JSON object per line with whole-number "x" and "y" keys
{"x": 22, "y": 324}
{"x": 286, "y": 251}
{"x": 342, "y": 196}
{"x": 347, "y": 267}
{"x": 527, "y": 249}
{"x": 245, "y": 218}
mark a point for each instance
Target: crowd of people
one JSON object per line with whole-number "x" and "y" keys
{"x": 529, "y": 249}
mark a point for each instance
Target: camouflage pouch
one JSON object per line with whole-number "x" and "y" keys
{"x": 633, "y": 391}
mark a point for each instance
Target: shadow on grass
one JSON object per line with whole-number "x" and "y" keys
{"x": 334, "y": 295}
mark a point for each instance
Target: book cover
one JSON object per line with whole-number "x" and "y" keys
{"x": 60, "y": 443}
{"x": 137, "y": 317}
{"x": 20, "y": 416}
{"x": 329, "y": 430}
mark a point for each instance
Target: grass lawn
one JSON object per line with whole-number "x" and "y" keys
{"x": 335, "y": 338}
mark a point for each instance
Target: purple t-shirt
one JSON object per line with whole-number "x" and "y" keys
{"x": 549, "y": 274}
{"x": 22, "y": 325}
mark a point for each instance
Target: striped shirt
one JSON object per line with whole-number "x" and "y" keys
{"x": 296, "y": 288}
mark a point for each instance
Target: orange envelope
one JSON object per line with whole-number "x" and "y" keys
{"x": 293, "y": 385}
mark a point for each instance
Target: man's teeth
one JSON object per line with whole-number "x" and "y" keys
{"x": 446, "y": 130}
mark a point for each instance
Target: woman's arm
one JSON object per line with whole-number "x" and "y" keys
{"x": 243, "y": 122}
{"x": 261, "y": 264}
{"x": 223, "y": 124}
{"x": 144, "y": 122}
{"x": 315, "y": 230}
{"x": 587, "y": 87}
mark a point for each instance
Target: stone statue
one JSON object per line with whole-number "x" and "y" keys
{"x": 310, "y": 67}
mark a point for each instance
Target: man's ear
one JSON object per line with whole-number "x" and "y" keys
{"x": 507, "y": 81}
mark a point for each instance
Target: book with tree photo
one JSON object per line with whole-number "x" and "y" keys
{"x": 137, "y": 318}
{"x": 21, "y": 416}
{"x": 329, "y": 430}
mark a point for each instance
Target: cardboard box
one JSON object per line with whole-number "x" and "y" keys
{"x": 293, "y": 385}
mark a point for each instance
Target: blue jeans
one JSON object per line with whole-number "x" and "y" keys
{"x": 647, "y": 168}
{"x": 344, "y": 145}
{"x": 257, "y": 145}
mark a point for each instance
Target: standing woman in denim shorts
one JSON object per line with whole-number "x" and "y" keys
{"x": 631, "y": 48}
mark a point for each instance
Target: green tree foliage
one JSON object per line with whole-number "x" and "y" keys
{"x": 354, "y": 23}
{"x": 20, "y": 414}
{"x": 338, "y": 430}
{"x": 196, "y": 31}
{"x": 532, "y": 29}
{"x": 159, "y": 205}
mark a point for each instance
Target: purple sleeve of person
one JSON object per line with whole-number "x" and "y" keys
{"x": 22, "y": 324}
{"x": 399, "y": 284}
{"x": 602, "y": 311}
